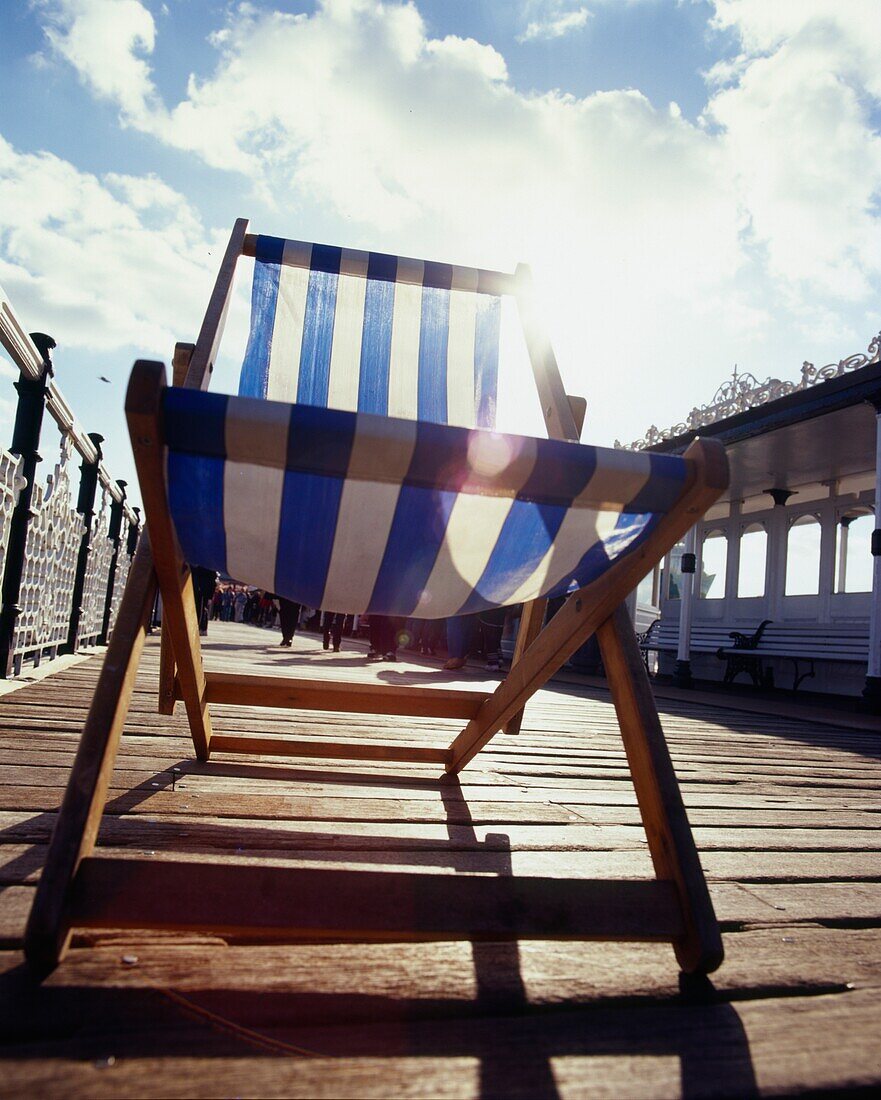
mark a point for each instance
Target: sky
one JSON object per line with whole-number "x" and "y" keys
{"x": 695, "y": 183}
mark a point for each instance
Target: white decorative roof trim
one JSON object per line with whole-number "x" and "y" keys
{"x": 744, "y": 391}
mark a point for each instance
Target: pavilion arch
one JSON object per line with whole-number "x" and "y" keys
{"x": 803, "y": 550}
{"x": 752, "y": 561}
{"x": 853, "y": 549}
{"x": 713, "y": 564}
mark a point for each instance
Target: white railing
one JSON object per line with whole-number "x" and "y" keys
{"x": 42, "y": 619}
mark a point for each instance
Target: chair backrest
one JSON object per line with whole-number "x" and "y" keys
{"x": 370, "y": 332}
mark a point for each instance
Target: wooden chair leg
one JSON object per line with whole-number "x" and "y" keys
{"x": 670, "y": 840}
{"x": 47, "y": 933}
{"x": 179, "y": 614}
{"x": 530, "y": 627}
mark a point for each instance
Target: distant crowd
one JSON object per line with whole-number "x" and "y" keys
{"x": 454, "y": 639}
{"x": 234, "y": 603}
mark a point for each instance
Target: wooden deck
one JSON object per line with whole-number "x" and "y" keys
{"x": 786, "y": 814}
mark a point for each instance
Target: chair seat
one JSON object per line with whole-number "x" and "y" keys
{"x": 360, "y": 513}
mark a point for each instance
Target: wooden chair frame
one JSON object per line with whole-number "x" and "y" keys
{"x": 78, "y": 889}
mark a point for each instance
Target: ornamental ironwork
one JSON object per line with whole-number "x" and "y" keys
{"x": 51, "y": 550}
{"x": 11, "y": 485}
{"x": 123, "y": 564}
{"x": 744, "y": 391}
{"x": 97, "y": 571}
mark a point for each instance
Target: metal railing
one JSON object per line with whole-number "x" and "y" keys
{"x": 66, "y": 540}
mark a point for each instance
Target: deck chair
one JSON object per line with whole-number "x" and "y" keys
{"x": 358, "y": 469}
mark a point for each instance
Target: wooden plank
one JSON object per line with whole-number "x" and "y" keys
{"x": 138, "y": 825}
{"x": 668, "y": 1048}
{"x": 583, "y": 612}
{"x": 239, "y": 797}
{"x": 404, "y": 980}
{"x": 339, "y": 695}
{"x": 22, "y": 863}
{"x": 142, "y": 408}
{"x": 77, "y": 827}
{"x": 333, "y": 904}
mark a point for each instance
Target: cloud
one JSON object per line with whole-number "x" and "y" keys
{"x": 554, "y": 19}
{"x": 105, "y": 43}
{"x": 794, "y": 118}
{"x": 688, "y": 245}
{"x": 104, "y": 263}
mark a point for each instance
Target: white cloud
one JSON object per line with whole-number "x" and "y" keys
{"x": 104, "y": 40}
{"x": 794, "y": 117}
{"x": 553, "y": 19}
{"x": 106, "y": 263}
{"x": 657, "y": 240}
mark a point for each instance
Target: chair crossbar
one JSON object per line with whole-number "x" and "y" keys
{"x": 330, "y": 750}
{"x": 327, "y": 904}
{"x": 333, "y": 695}
{"x": 382, "y": 266}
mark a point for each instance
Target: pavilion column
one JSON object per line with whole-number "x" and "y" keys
{"x": 682, "y": 670}
{"x": 872, "y": 690}
{"x": 778, "y": 537}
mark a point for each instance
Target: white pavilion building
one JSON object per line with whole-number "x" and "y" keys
{"x": 794, "y": 543}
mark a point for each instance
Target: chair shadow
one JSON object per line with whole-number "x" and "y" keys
{"x": 515, "y": 1052}
{"x": 514, "y": 1041}
{"x": 434, "y": 676}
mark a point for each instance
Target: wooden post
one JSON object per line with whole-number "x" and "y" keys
{"x": 86, "y": 507}
{"x": 32, "y": 394}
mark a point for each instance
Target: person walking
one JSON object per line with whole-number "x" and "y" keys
{"x": 239, "y": 604}
{"x": 289, "y": 616}
{"x": 333, "y": 629}
{"x": 384, "y": 637}
{"x": 460, "y": 629}
{"x": 204, "y": 582}
{"x": 492, "y": 623}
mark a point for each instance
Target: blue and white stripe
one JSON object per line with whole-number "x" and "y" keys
{"x": 373, "y": 333}
{"x": 365, "y": 513}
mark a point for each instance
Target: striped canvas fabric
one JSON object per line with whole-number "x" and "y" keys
{"x": 362, "y": 513}
{"x": 373, "y": 333}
